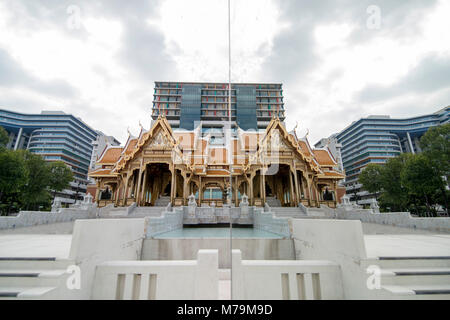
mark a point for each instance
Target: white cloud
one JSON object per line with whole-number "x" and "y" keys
{"x": 196, "y": 35}
{"x": 322, "y": 52}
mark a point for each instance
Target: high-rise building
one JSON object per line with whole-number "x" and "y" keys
{"x": 185, "y": 104}
{"x": 376, "y": 139}
{"x": 55, "y": 136}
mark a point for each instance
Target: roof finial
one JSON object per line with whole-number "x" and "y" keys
{"x": 140, "y": 124}
{"x": 128, "y": 130}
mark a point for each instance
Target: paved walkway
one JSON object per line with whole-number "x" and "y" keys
{"x": 53, "y": 240}
{"x": 67, "y": 228}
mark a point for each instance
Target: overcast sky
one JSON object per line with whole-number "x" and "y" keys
{"x": 99, "y": 59}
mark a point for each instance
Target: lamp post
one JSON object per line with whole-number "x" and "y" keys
{"x": 230, "y": 151}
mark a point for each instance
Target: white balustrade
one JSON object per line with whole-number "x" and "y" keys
{"x": 155, "y": 280}
{"x": 285, "y": 279}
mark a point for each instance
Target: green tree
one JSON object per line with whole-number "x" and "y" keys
{"x": 395, "y": 193}
{"x": 13, "y": 176}
{"x": 371, "y": 177}
{"x": 35, "y": 192}
{"x": 3, "y": 138}
{"x": 435, "y": 144}
{"x": 421, "y": 180}
{"x": 60, "y": 176}
{"x": 386, "y": 180}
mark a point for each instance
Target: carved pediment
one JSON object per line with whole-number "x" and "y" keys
{"x": 160, "y": 140}
{"x": 276, "y": 142}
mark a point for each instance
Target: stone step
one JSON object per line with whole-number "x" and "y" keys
{"x": 37, "y": 263}
{"x": 407, "y": 262}
{"x": 294, "y": 216}
{"x": 288, "y": 213}
{"x": 32, "y": 278}
{"x": 147, "y": 212}
{"x": 147, "y": 208}
{"x": 415, "y": 276}
{"x": 16, "y": 292}
{"x": 419, "y": 292}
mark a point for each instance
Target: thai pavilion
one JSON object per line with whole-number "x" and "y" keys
{"x": 161, "y": 165}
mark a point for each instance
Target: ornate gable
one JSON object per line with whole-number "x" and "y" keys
{"x": 159, "y": 137}
{"x": 276, "y": 135}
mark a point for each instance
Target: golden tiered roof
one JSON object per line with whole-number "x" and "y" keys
{"x": 198, "y": 153}
{"x": 324, "y": 158}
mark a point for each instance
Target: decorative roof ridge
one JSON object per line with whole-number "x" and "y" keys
{"x": 305, "y": 140}
{"x": 130, "y": 138}
{"x": 332, "y": 157}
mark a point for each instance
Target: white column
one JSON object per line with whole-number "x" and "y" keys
{"x": 410, "y": 143}
{"x": 19, "y": 136}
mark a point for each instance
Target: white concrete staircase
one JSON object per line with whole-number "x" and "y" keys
{"x": 139, "y": 212}
{"x": 117, "y": 212}
{"x": 273, "y": 202}
{"x": 424, "y": 277}
{"x": 32, "y": 277}
{"x": 292, "y": 212}
{"x": 163, "y": 201}
{"x": 316, "y": 212}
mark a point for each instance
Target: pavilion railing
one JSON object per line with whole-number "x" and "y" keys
{"x": 217, "y": 202}
{"x": 103, "y": 203}
{"x": 329, "y": 203}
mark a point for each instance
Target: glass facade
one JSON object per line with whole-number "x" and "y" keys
{"x": 376, "y": 139}
{"x": 252, "y": 105}
{"x": 190, "y": 107}
{"x": 55, "y": 136}
{"x": 246, "y": 107}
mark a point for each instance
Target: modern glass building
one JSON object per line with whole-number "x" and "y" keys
{"x": 185, "y": 103}
{"x": 375, "y": 139}
{"x": 54, "y": 135}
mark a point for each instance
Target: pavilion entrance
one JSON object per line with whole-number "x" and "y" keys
{"x": 157, "y": 184}
{"x": 281, "y": 186}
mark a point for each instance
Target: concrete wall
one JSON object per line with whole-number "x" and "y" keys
{"x": 100, "y": 240}
{"x": 287, "y": 280}
{"x": 109, "y": 211}
{"x": 339, "y": 241}
{"x": 155, "y": 280}
{"x": 399, "y": 219}
{"x": 186, "y": 249}
{"x": 267, "y": 221}
{"x": 168, "y": 221}
{"x": 32, "y": 218}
